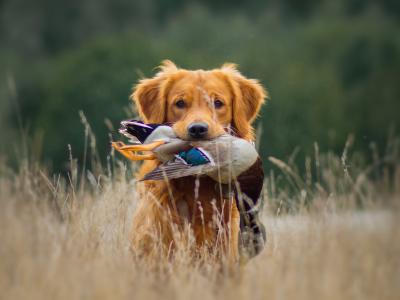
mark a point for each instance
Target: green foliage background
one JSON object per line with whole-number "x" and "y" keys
{"x": 332, "y": 67}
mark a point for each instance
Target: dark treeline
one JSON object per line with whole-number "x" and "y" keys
{"x": 332, "y": 67}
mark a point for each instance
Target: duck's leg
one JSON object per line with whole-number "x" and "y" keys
{"x": 130, "y": 153}
{"x": 142, "y": 147}
{"x": 134, "y": 156}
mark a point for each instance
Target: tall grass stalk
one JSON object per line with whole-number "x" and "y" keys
{"x": 328, "y": 237}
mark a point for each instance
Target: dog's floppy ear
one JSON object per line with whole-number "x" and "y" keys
{"x": 149, "y": 94}
{"x": 249, "y": 95}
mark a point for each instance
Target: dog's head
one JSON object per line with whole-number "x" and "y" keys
{"x": 200, "y": 104}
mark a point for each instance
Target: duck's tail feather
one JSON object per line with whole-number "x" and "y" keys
{"x": 132, "y": 139}
{"x": 137, "y": 129}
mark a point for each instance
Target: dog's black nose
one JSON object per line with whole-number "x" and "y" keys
{"x": 198, "y": 130}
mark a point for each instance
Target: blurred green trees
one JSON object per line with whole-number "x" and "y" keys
{"x": 331, "y": 68}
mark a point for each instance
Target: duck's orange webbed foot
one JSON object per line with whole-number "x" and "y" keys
{"x": 130, "y": 151}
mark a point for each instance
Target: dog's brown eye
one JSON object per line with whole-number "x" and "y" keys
{"x": 180, "y": 103}
{"x": 218, "y": 103}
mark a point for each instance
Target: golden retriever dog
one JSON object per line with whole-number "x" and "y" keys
{"x": 200, "y": 104}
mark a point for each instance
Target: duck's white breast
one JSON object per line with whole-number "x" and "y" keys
{"x": 238, "y": 155}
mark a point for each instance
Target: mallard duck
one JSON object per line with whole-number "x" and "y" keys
{"x": 226, "y": 159}
{"x": 223, "y": 159}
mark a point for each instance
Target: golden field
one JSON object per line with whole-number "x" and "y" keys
{"x": 333, "y": 233}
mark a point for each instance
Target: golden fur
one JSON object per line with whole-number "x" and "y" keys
{"x": 167, "y": 207}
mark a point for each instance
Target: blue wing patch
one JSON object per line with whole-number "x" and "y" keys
{"x": 195, "y": 157}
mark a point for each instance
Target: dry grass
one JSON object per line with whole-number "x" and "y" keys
{"x": 335, "y": 236}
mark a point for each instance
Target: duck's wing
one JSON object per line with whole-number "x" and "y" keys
{"x": 176, "y": 168}
{"x": 137, "y": 129}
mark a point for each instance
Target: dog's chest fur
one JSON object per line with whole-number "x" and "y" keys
{"x": 201, "y": 202}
